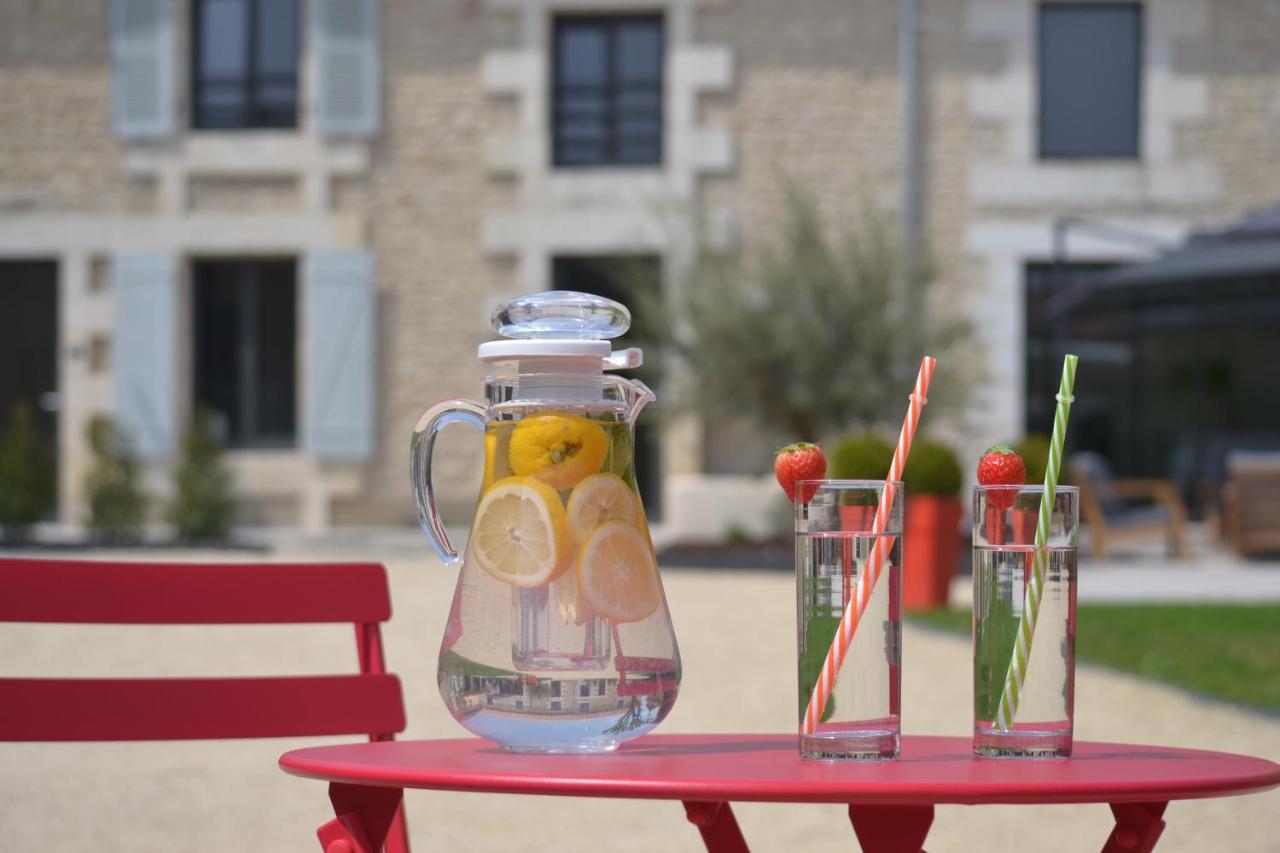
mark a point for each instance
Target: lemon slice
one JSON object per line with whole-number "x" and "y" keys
{"x": 617, "y": 574}
{"x": 520, "y": 535}
{"x": 598, "y": 499}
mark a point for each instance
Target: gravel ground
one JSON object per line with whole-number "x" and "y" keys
{"x": 736, "y": 634}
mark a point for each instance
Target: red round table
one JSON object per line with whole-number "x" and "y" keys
{"x": 890, "y": 802}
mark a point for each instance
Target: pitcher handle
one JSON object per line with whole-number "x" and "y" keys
{"x": 434, "y": 419}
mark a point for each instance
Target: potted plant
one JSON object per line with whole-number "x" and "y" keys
{"x": 931, "y": 528}
{"x": 931, "y": 516}
{"x": 860, "y": 457}
{"x": 204, "y": 505}
{"x": 26, "y": 474}
{"x": 117, "y": 504}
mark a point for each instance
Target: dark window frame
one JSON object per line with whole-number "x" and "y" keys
{"x": 1139, "y": 70}
{"x": 249, "y": 432}
{"x": 256, "y": 116}
{"x": 611, "y": 91}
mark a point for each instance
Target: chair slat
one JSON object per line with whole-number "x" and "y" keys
{"x": 84, "y": 709}
{"x": 191, "y": 593}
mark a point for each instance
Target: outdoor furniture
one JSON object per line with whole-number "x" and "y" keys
{"x": 1251, "y": 502}
{"x": 124, "y": 709}
{"x": 1106, "y": 506}
{"x": 890, "y": 802}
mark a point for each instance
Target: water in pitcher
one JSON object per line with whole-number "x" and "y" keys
{"x": 587, "y": 657}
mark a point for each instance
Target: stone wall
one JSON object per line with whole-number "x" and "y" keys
{"x": 57, "y": 151}
{"x": 812, "y": 97}
{"x": 427, "y": 192}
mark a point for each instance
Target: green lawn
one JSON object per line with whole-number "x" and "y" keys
{"x": 1230, "y": 651}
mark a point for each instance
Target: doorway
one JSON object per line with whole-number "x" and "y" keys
{"x": 623, "y": 278}
{"x": 29, "y": 352}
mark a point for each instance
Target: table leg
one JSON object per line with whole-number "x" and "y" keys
{"x": 718, "y": 826}
{"x": 365, "y": 817}
{"x": 1138, "y": 827}
{"x": 891, "y": 829}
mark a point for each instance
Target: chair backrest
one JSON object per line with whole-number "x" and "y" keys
{"x": 79, "y": 709}
{"x": 1092, "y": 473}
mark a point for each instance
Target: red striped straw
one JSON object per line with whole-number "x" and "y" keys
{"x": 871, "y": 573}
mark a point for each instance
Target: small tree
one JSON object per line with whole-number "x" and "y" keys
{"x": 204, "y": 507}
{"x": 26, "y": 473}
{"x": 809, "y": 334}
{"x": 117, "y": 505}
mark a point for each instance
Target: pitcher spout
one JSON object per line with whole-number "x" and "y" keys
{"x": 638, "y": 395}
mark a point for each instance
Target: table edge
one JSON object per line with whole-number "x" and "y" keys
{"x": 296, "y": 764}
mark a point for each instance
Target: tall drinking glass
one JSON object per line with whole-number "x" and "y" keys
{"x": 835, "y": 551}
{"x": 1023, "y": 655}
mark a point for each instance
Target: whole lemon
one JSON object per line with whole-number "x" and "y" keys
{"x": 558, "y": 449}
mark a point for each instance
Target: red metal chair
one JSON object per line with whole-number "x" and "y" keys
{"x": 123, "y": 709}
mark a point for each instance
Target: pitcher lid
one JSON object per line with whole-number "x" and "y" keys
{"x": 561, "y": 324}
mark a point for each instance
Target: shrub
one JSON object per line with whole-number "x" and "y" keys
{"x": 26, "y": 473}
{"x": 816, "y": 328}
{"x": 932, "y": 469}
{"x": 1034, "y": 450}
{"x": 861, "y": 457}
{"x": 117, "y": 505}
{"x": 204, "y": 506}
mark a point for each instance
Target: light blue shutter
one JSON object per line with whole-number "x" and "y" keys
{"x": 339, "y": 312}
{"x": 349, "y": 91}
{"x": 145, "y": 350}
{"x": 143, "y": 59}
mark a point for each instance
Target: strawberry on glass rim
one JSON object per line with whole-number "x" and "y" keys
{"x": 800, "y": 461}
{"x": 1000, "y": 465}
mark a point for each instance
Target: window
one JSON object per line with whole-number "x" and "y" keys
{"x": 607, "y": 91}
{"x": 1090, "y": 78}
{"x": 245, "y": 69}
{"x": 556, "y": 705}
{"x": 584, "y": 689}
{"x": 584, "y": 707}
{"x": 245, "y": 341}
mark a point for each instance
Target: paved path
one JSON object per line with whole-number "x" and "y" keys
{"x": 736, "y": 632}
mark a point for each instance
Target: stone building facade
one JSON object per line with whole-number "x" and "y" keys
{"x": 415, "y": 184}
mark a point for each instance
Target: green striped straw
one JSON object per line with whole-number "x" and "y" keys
{"x": 1031, "y": 606}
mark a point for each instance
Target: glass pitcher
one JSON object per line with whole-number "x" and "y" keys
{"x": 559, "y": 639}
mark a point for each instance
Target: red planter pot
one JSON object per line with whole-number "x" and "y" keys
{"x": 931, "y": 544}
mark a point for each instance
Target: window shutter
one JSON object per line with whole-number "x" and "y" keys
{"x": 339, "y": 304}
{"x": 348, "y": 90}
{"x": 143, "y": 56}
{"x": 145, "y": 350}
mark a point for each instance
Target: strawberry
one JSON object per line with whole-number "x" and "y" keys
{"x": 1001, "y": 466}
{"x": 796, "y": 462}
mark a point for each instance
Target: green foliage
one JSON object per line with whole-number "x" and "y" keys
{"x": 117, "y": 505}
{"x": 26, "y": 473}
{"x": 932, "y": 469}
{"x": 861, "y": 457}
{"x": 1034, "y": 450}
{"x": 1227, "y": 650}
{"x": 813, "y": 333}
{"x": 204, "y": 506}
